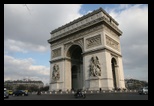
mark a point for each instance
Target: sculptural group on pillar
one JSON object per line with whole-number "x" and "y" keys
{"x": 95, "y": 69}
{"x": 55, "y": 73}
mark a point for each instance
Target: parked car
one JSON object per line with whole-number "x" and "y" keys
{"x": 20, "y": 93}
{"x": 10, "y": 92}
{"x": 143, "y": 90}
{"x": 6, "y": 95}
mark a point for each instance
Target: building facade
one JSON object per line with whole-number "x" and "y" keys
{"x": 14, "y": 84}
{"x": 86, "y": 54}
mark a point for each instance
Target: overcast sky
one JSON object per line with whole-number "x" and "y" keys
{"x": 27, "y": 28}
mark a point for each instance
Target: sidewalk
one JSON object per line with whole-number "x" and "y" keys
{"x": 86, "y": 92}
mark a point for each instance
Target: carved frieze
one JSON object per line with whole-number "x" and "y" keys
{"x": 93, "y": 41}
{"x": 112, "y": 43}
{"x": 56, "y": 52}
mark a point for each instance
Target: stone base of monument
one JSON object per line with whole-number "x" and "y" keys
{"x": 56, "y": 86}
{"x": 97, "y": 83}
{"x": 94, "y": 83}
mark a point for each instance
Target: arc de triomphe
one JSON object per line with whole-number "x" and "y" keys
{"x": 86, "y": 54}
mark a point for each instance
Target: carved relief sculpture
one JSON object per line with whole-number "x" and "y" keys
{"x": 112, "y": 43}
{"x": 56, "y": 52}
{"x": 93, "y": 41}
{"x": 95, "y": 69}
{"x": 55, "y": 73}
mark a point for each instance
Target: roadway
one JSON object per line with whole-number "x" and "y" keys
{"x": 94, "y": 96}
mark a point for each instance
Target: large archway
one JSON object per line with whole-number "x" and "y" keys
{"x": 114, "y": 64}
{"x": 74, "y": 47}
{"x": 75, "y": 54}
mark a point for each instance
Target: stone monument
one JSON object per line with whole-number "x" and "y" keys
{"x": 86, "y": 54}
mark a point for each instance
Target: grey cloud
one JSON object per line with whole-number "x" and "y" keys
{"x": 20, "y": 68}
{"x": 35, "y": 28}
{"x": 133, "y": 21}
{"x": 28, "y": 30}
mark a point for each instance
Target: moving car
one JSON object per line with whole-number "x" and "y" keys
{"x": 20, "y": 93}
{"x": 143, "y": 90}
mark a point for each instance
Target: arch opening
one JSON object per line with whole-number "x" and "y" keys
{"x": 76, "y": 59}
{"x": 114, "y": 64}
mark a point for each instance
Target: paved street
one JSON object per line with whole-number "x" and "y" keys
{"x": 95, "y": 96}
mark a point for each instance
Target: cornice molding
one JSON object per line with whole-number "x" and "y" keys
{"x": 60, "y": 59}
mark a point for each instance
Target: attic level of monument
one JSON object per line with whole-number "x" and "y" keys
{"x": 84, "y": 17}
{"x": 96, "y": 17}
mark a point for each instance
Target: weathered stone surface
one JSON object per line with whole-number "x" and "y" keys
{"x": 87, "y": 53}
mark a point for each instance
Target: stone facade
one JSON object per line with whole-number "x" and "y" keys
{"x": 86, "y": 53}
